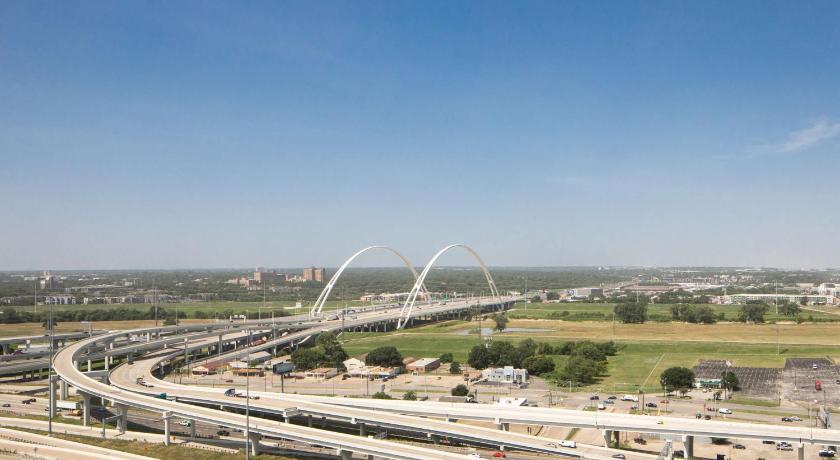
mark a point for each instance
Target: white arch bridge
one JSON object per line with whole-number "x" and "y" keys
{"x": 419, "y": 287}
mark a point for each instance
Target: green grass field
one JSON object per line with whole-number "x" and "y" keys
{"x": 641, "y": 358}
{"x": 656, "y": 312}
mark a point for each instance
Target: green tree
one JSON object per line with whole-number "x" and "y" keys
{"x": 677, "y": 379}
{"x": 332, "y": 349}
{"x": 309, "y": 358}
{"x": 455, "y": 367}
{"x": 730, "y": 382}
{"x": 705, "y": 314}
{"x": 538, "y": 364}
{"x": 752, "y": 312}
{"x": 527, "y": 347}
{"x": 410, "y": 395}
{"x": 446, "y": 358}
{"x": 789, "y": 309}
{"x": 460, "y": 390}
{"x": 581, "y": 370}
{"x": 384, "y": 356}
{"x": 631, "y": 312}
{"x": 552, "y": 295}
{"x": 479, "y": 357}
{"x": 501, "y": 321}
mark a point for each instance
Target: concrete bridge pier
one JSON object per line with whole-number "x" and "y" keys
{"x": 85, "y": 408}
{"x": 309, "y": 420}
{"x": 688, "y": 443}
{"x": 345, "y": 454}
{"x": 800, "y": 451}
{"x": 166, "y": 429}
{"x": 62, "y": 389}
{"x": 607, "y": 437}
{"x": 122, "y": 422}
{"x": 362, "y": 429}
{"x": 192, "y": 429}
{"x": 254, "y": 441}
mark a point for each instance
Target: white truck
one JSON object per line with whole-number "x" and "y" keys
{"x": 68, "y": 405}
{"x": 630, "y": 398}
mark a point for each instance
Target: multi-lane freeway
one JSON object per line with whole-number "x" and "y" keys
{"x": 431, "y": 418}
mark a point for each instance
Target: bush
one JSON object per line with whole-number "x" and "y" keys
{"x": 410, "y": 395}
{"x": 381, "y": 395}
{"x": 455, "y": 368}
{"x": 460, "y": 390}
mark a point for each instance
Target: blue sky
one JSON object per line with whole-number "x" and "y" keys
{"x": 219, "y": 134}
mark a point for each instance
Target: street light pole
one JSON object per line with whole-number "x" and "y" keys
{"x": 248, "y": 400}
{"x": 51, "y": 387}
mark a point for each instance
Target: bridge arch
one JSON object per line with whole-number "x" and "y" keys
{"x": 325, "y": 293}
{"x": 405, "y": 313}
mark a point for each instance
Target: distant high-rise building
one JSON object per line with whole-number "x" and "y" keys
{"x": 314, "y": 274}
{"x": 50, "y": 282}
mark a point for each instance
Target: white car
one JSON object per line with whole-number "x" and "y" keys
{"x": 724, "y": 411}
{"x": 569, "y": 444}
{"x": 474, "y": 456}
{"x": 184, "y": 423}
{"x": 601, "y": 407}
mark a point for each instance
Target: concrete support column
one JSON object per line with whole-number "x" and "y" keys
{"x": 435, "y": 439}
{"x": 346, "y": 455}
{"x": 192, "y": 429}
{"x": 166, "y": 429}
{"x": 688, "y": 443}
{"x": 607, "y": 437}
{"x": 309, "y": 420}
{"x": 800, "y": 452}
{"x": 323, "y": 422}
{"x": 85, "y": 409}
{"x": 107, "y": 363}
{"x": 505, "y": 426}
{"x": 362, "y": 429}
{"x": 122, "y": 422}
{"x": 62, "y": 389}
{"x": 255, "y": 443}
{"x": 617, "y": 435}
{"x": 89, "y": 366}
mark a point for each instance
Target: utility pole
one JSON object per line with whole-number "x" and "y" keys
{"x": 37, "y": 280}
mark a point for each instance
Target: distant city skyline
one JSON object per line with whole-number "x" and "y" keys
{"x": 211, "y": 134}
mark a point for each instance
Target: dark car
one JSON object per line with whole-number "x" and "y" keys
{"x": 223, "y": 433}
{"x": 619, "y": 456}
{"x": 708, "y": 417}
{"x": 826, "y": 453}
{"x": 787, "y": 419}
{"x": 7, "y": 405}
{"x": 767, "y": 441}
{"x": 679, "y": 453}
{"x": 594, "y": 398}
{"x": 650, "y": 404}
{"x": 615, "y": 397}
{"x": 739, "y": 446}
